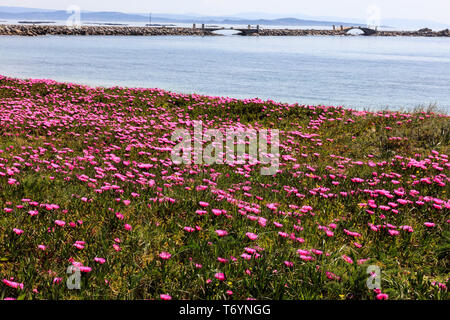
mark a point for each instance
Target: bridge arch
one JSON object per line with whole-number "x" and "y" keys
{"x": 366, "y": 31}
{"x": 226, "y": 31}
{"x": 238, "y": 31}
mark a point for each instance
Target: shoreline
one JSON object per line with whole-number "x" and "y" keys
{"x": 42, "y": 30}
{"x": 432, "y": 109}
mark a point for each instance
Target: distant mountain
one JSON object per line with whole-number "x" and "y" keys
{"x": 11, "y": 13}
{"x": 7, "y": 9}
{"x": 281, "y": 22}
{"x": 63, "y": 15}
{"x": 395, "y": 22}
{"x": 253, "y": 18}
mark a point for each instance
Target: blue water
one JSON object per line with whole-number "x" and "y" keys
{"x": 358, "y": 72}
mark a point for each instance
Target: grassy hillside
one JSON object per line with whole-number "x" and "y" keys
{"x": 86, "y": 179}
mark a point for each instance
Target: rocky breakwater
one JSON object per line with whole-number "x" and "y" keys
{"x": 41, "y": 30}
{"x": 312, "y": 32}
{"x": 419, "y": 33}
{"x": 297, "y": 32}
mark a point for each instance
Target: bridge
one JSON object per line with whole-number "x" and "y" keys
{"x": 241, "y": 31}
{"x": 367, "y": 31}
{"x": 250, "y": 31}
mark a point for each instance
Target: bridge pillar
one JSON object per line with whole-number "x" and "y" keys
{"x": 194, "y": 26}
{"x": 342, "y": 27}
{"x": 257, "y": 28}
{"x": 334, "y": 27}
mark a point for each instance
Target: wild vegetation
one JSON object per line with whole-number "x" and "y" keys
{"x": 87, "y": 180}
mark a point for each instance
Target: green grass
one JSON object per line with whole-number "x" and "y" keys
{"x": 77, "y": 129}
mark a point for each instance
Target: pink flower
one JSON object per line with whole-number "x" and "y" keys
{"x": 33, "y": 213}
{"x": 222, "y": 260}
{"x": 382, "y": 296}
{"x": 165, "y": 297}
{"x": 119, "y": 216}
{"x": 429, "y": 224}
{"x": 246, "y": 256}
{"x": 79, "y": 245}
{"x": 306, "y": 258}
{"x": 203, "y": 204}
{"x": 303, "y": 252}
{"x": 13, "y": 284}
{"x": 60, "y": 223}
{"x": 362, "y": 261}
{"x": 347, "y": 259}
{"x": 85, "y": 269}
{"x": 393, "y": 232}
{"x": 220, "y": 276}
{"x": 42, "y": 247}
{"x": 99, "y": 260}
{"x": 17, "y": 231}
{"x": 165, "y": 255}
{"x": 128, "y": 227}
{"x": 288, "y": 264}
{"x": 221, "y": 233}
{"x": 251, "y": 236}
{"x": 262, "y": 222}
{"x": 278, "y": 225}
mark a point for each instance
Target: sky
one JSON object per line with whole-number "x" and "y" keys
{"x": 433, "y": 10}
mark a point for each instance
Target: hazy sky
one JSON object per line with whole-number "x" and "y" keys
{"x": 436, "y": 10}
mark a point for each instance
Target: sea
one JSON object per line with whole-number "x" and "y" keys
{"x": 358, "y": 72}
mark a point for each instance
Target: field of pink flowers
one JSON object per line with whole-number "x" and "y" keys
{"x": 86, "y": 179}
